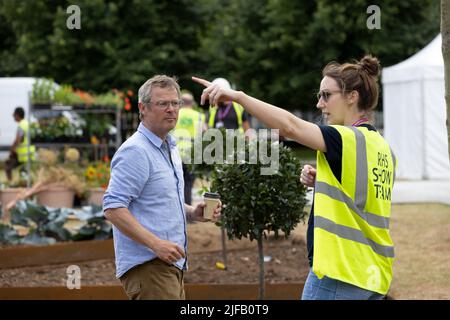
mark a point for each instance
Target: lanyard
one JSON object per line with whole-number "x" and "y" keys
{"x": 360, "y": 121}
{"x": 221, "y": 115}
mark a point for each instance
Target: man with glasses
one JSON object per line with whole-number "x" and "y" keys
{"x": 191, "y": 123}
{"x": 145, "y": 199}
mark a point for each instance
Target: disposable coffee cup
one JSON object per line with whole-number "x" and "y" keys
{"x": 211, "y": 200}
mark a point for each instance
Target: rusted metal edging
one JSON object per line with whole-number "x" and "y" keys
{"x": 277, "y": 291}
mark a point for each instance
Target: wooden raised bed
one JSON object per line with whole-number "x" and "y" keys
{"x": 283, "y": 291}
{"x": 67, "y": 252}
{"x": 62, "y": 252}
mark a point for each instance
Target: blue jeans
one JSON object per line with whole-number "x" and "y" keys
{"x": 331, "y": 289}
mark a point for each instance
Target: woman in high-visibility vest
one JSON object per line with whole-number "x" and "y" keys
{"x": 350, "y": 248}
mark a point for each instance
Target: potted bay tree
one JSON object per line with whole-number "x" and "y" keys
{"x": 256, "y": 204}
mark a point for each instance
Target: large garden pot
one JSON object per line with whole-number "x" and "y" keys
{"x": 9, "y": 194}
{"x": 56, "y": 197}
{"x": 96, "y": 196}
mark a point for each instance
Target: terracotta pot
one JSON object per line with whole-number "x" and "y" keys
{"x": 9, "y": 194}
{"x": 96, "y": 196}
{"x": 56, "y": 197}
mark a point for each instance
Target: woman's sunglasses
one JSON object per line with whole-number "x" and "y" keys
{"x": 325, "y": 95}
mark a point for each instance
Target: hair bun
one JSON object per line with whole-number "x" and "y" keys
{"x": 371, "y": 65}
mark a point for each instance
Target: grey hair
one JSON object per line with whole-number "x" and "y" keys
{"x": 161, "y": 81}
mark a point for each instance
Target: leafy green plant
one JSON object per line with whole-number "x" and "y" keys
{"x": 42, "y": 92}
{"x": 49, "y": 129}
{"x": 255, "y": 204}
{"x": 8, "y": 235}
{"x": 98, "y": 125}
{"x": 66, "y": 96}
{"x": 96, "y": 227}
{"x": 110, "y": 99}
{"x": 46, "y": 225}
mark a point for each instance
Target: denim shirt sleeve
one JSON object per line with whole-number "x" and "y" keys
{"x": 130, "y": 171}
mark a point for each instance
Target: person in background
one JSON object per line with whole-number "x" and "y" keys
{"x": 227, "y": 114}
{"x": 20, "y": 150}
{"x": 190, "y": 124}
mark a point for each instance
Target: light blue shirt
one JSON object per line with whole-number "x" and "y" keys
{"x": 144, "y": 180}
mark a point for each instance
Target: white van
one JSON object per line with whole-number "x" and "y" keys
{"x": 14, "y": 92}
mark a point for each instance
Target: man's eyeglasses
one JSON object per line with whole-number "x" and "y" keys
{"x": 325, "y": 95}
{"x": 164, "y": 104}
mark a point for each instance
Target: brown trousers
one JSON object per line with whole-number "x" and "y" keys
{"x": 154, "y": 280}
{"x": 11, "y": 163}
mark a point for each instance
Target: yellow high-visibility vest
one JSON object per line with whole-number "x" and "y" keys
{"x": 237, "y": 108}
{"x": 351, "y": 218}
{"x": 22, "y": 149}
{"x": 189, "y": 125}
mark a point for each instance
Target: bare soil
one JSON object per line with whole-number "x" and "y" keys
{"x": 286, "y": 261}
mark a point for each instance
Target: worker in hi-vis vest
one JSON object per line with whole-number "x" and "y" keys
{"x": 20, "y": 149}
{"x": 228, "y": 114}
{"x": 190, "y": 124}
{"x": 349, "y": 244}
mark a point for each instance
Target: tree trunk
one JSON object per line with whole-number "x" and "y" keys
{"x": 445, "y": 32}
{"x": 261, "y": 268}
{"x": 224, "y": 246}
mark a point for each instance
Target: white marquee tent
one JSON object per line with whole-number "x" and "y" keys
{"x": 415, "y": 114}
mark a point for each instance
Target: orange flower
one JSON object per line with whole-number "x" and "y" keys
{"x": 127, "y": 107}
{"x": 85, "y": 97}
{"x": 98, "y": 174}
{"x": 130, "y": 93}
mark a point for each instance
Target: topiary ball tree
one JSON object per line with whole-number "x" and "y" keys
{"x": 255, "y": 204}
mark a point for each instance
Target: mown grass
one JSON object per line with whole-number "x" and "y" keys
{"x": 421, "y": 235}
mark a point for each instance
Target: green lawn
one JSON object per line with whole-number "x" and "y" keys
{"x": 306, "y": 155}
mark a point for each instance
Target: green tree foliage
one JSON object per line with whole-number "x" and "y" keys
{"x": 273, "y": 49}
{"x": 255, "y": 204}
{"x": 276, "y": 49}
{"x": 121, "y": 43}
{"x": 10, "y": 64}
